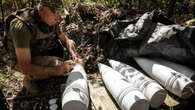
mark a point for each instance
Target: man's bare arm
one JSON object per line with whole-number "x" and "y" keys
{"x": 68, "y": 43}
{"x": 25, "y": 65}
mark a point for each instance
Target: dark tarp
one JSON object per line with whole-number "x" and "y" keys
{"x": 151, "y": 35}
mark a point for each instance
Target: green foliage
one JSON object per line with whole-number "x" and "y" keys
{"x": 5, "y": 1}
{"x": 2, "y": 1}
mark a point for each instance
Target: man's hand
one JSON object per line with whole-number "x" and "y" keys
{"x": 66, "y": 66}
{"x": 74, "y": 56}
{"x": 71, "y": 47}
{"x": 78, "y": 60}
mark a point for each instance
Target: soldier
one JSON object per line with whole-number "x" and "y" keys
{"x": 35, "y": 43}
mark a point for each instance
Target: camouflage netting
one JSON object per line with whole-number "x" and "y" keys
{"x": 83, "y": 24}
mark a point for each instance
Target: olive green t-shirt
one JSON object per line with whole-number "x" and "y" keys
{"x": 19, "y": 34}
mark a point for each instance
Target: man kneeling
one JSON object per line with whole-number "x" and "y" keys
{"x": 34, "y": 42}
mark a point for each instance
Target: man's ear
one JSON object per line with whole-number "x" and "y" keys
{"x": 41, "y": 8}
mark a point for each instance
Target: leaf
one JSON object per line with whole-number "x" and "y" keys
{"x": 3, "y": 1}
